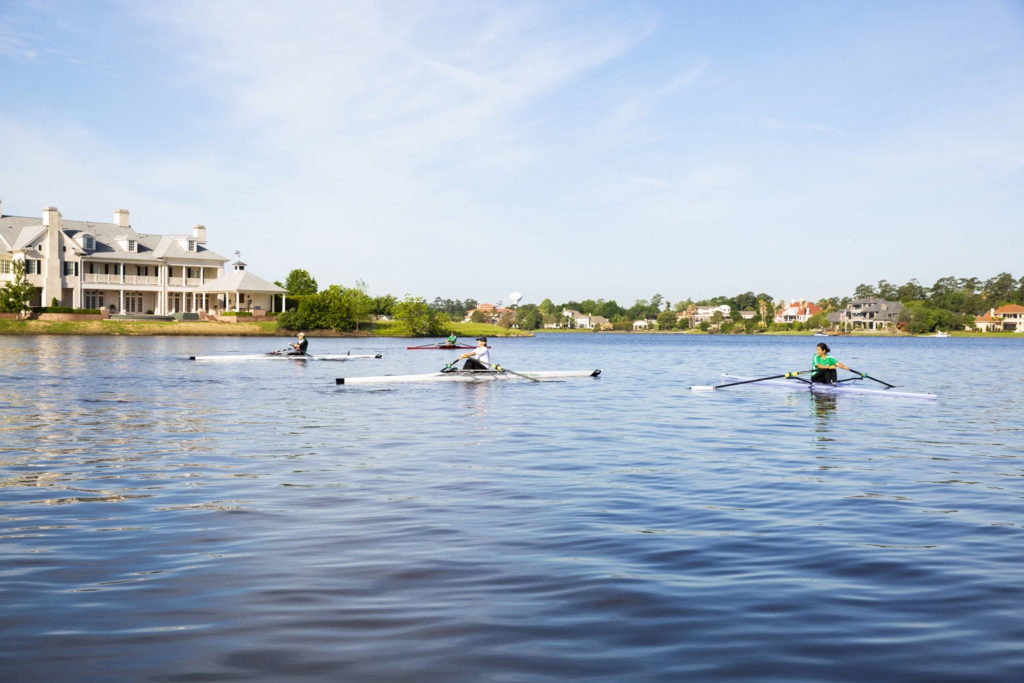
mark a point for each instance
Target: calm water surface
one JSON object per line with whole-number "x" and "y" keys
{"x": 169, "y": 520}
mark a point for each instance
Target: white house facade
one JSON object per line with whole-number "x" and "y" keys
{"x": 85, "y": 264}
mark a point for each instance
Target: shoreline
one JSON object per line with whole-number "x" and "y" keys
{"x": 270, "y": 329}
{"x": 164, "y": 328}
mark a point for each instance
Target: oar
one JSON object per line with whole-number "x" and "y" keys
{"x": 748, "y": 381}
{"x": 501, "y": 369}
{"x": 864, "y": 374}
{"x": 451, "y": 366}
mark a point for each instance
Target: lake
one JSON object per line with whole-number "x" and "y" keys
{"x": 170, "y": 520}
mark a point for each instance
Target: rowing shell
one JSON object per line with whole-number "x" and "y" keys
{"x": 467, "y": 376}
{"x": 279, "y": 356}
{"x": 842, "y": 388}
{"x": 441, "y": 346}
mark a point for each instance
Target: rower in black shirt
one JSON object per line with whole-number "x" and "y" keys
{"x": 299, "y": 347}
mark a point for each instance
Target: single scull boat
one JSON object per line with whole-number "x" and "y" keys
{"x": 467, "y": 376}
{"x": 284, "y": 356}
{"x": 845, "y": 387}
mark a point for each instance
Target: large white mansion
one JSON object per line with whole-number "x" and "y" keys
{"x": 84, "y": 264}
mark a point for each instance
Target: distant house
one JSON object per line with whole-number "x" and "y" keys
{"x": 584, "y": 321}
{"x": 89, "y": 264}
{"x": 795, "y": 312}
{"x": 1009, "y": 318}
{"x": 871, "y": 313}
{"x": 704, "y": 313}
{"x": 642, "y": 324}
{"x": 592, "y": 322}
{"x": 490, "y": 312}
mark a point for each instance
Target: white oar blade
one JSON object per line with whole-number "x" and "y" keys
{"x": 702, "y": 388}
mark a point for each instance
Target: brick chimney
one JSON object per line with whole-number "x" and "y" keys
{"x": 121, "y": 218}
{"x": 51, "y": 216}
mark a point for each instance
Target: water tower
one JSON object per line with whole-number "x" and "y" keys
{"x": 515, "y": 298}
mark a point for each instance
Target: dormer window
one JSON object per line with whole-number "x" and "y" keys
{"x": 132, "y": 245}
{"x": 191, "y": 245}
{"x": 89, "y": 242}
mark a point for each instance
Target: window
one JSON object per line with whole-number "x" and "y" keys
{"x": 93, "y": 298}
{"x": 191, "y": 245}
{"x": 5, "y": 267}
{"x": 31, "y": 267}
{"x": 132, "y": 246}
{"x": 71, "y": 267}
{"x": 133, "y": 302}
{"x": 89, "y": 241}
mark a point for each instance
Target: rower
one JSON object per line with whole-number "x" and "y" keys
{"x": 824, "y": 366}
{"x": 299, "y": 347}
{"x": 453, "y": 340}
{"x": 479, "y": 358}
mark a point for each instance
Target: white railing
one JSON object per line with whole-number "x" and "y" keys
{"x": 105, "y": 279}
{"x": 141, "y": 280}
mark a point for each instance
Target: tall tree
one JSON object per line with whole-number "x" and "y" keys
{"x": 300, "y": 282}
{"x": 419, "y": 319}
{"x": 16, "y": 292}
{"x": 864, "y": 291}
{"x": 1000, "y": 289}
{"x": 887, "y": 290}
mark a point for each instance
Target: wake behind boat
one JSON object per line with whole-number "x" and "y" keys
{"x": 277, "y": 355}
{"x": 469, "y": 376}
{"x": 789, "y": 381}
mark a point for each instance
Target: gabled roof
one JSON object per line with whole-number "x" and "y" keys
{"x": 19, "y": 232}
{"x": 1009, "y": 308}
{"x": 242, "y": 281}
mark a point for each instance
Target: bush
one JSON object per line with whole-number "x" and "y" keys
{"x": 240, "y": 314}
{"x": 64, "y": 309}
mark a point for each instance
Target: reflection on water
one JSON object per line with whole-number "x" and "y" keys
{"x": 173, "y": 520}
{"x": 822, "y": 406}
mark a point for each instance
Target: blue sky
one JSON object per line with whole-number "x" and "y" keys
{"x": 565, "y": 149}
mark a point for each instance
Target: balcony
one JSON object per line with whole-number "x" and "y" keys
{"x": 105, "y": 279}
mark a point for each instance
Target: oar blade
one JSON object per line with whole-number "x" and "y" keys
{"x": 704, "y": 388}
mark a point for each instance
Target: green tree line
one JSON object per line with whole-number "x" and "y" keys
{"x": 949, "y": 303}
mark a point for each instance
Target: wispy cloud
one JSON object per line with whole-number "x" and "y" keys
{"x": 778, "y": 124}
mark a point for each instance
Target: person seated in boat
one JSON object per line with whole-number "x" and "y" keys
{"x": 299, "y": 347}
{"x": 452, "y": 340}
{"x": 479, "y": 358}
{"x": 824, "y": 366}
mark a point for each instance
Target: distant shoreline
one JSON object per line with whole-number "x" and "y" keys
{"x": 390, "y": 329}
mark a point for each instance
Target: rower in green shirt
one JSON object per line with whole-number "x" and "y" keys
{"x": 824, "y": 366}
{"x": 452, "y": 340}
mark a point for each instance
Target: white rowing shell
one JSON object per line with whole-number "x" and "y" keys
{"x": 467, "y": 376}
